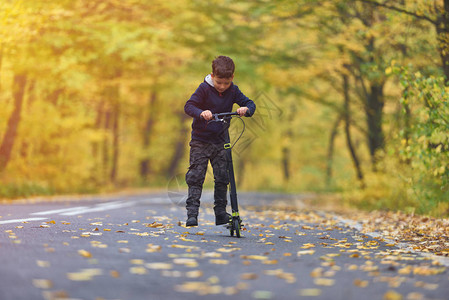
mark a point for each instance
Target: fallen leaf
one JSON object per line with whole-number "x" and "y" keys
{"x": 219, "y": 261}
{"x": 262, "y": 295}
{"x": 309, "y": 292}
{"x": 159, "y": 266}
{"x": 255, "y": 257}
{"x": 153, "y": 248}
{"x": 114, "y": 274}
{"x": 249, "y": 276}
{"x": 415, "y": 296}
{"x": 42, "y": 283}
{"x": 85, "y": 253}
{"x": 226, "y": 250}
{"x": 212, "y": 254}
{"x": 42, "y": 263}
{"x": 84, "y": 275}
{"x": 189, "y": 262}
{"x": 137, "y": 261}
{"x": 270, "y": 262}
{"x": 317, "y": 272}
{"x": 138, "y": 270}
{"x": 194, "y": 274}
{"x": 360, "y": 283}
{"x": 324, "y": 281}
{"x": 392, "y": 295}
{"x": 427, "y": 286}
{"x": 305, "y": 252}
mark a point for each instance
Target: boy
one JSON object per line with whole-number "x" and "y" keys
{"x": 217, "y": 94}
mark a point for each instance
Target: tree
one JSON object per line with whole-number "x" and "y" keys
{"x": 435, "y": 12}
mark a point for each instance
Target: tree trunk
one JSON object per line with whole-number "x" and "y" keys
{"x": 105, "y": 150}
{"x": 286, "y": 163}
{"x": 442, "y": 28}
{"x": 7, "y": 145}
{"x": 96, "y": 145}
{"x": 374, "y": 111}
{"x": 145, "y": 164}
{"x": 115, "y": 135}
{"x": 347, "y": 113}
{"x": 179, "y": 149}
{"x": 330, "y": 149}
{"x": 1, "y": 63}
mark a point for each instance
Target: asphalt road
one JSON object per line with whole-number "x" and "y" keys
{"x": 136, "y": 247}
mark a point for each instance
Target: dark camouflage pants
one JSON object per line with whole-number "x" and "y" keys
{"x": 200, "y": 155}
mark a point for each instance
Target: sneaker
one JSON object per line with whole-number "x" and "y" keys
{"x": 192, "y": 221}
{"x": 222, "y": 218}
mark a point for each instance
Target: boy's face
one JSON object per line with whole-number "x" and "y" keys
{"x": 221, "y": 84}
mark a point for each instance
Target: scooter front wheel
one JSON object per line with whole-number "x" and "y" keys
{"x": 236, "y": 226}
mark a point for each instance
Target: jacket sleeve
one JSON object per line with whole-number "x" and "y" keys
{"x": 242, "y": 100}
{"x": 193, "y": 105}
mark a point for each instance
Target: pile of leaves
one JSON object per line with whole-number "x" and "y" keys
{"x": 421, "y": 233}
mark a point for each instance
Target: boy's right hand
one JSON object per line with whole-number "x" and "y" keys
{"x": 206, "y": 115}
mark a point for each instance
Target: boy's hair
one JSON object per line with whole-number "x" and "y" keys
{"x": 223, "y": 67}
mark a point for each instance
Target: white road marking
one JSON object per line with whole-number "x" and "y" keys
{"x": 58, "y": 211}
{"x": 74, "y": 211}
{"x": 100, "y": 207}
{"x": 22, "y": 220}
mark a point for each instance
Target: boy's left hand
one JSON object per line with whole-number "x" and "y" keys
{"x": 242, "y": 111}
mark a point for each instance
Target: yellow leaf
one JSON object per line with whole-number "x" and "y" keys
{"x": 249, "y": 276}
{"x": 317, "y": 272}
{"x": 194, "y": 274}
{"x": 228, "y": 249}
{"x": 85, "y": 253}
{"x": 392, "y": 295}
{"x": 270, "y": 262}
{"x": 212, "y": 254}
{"x": 305, "y": 252}
{"x": 114, "y": 274}
{"x": 42, "y": 263}
{"x": 137, "y": 261}
{"x": 138, "y": 270}
{"x": 324, "y": 281}
{"x": 84, "y": 275}
{"x": 308, "y": 246}
{"x": 255, "y": 257}
{"x": 360, "y": 283}
{"x": 42, "y": 283}
{"x": 159, "y": 266}
{"x": 309, "y": 292}
{"x": 189, "y": 262}
{"x": 219, "y": 261}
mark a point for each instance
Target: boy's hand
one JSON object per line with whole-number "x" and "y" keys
{"x": 206, "y": 115}
{"x": 242, "y": 111}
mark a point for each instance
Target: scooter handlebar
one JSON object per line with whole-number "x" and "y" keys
{"x": 221, "y": 116}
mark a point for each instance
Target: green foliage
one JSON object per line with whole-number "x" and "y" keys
{"x": 425, "y": 143}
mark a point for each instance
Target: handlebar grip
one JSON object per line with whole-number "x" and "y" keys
{"x": 226, "y": 114}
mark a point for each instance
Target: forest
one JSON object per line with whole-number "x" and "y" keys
{"x": 351, "y": 95}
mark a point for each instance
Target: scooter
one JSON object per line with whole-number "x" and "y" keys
{"x": 235, "y": 223}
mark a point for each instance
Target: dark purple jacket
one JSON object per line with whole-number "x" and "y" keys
{"x": 206, "y": 97}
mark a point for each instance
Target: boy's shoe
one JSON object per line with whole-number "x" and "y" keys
{"x": 222, "y": 218}
{"x": 192, "y": 221}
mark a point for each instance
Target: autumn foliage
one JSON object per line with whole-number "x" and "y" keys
{"x": 351, "y": 95}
